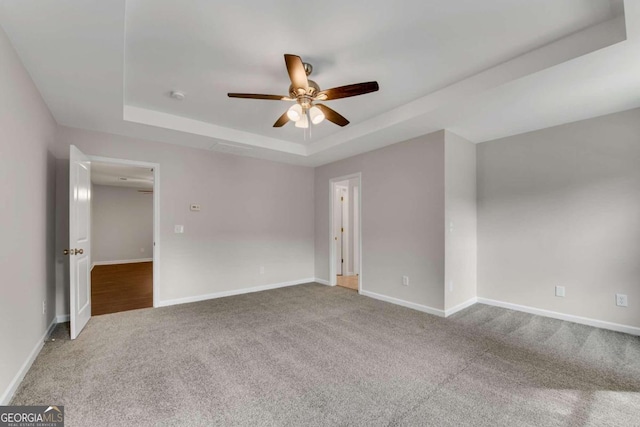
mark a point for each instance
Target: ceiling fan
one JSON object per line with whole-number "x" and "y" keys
{"x": 306, "y": 93}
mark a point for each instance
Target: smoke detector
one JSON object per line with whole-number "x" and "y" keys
{"x": 176, "y": 94}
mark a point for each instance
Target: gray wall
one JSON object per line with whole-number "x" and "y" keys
{"x": 27, "y": 217}
{"x": 461, "y": 234}
{"x": 402, "y": 198}
{"x": 561, "y": 206}
{"x": 254, "y": 213}
{"x": 121, "y": 224}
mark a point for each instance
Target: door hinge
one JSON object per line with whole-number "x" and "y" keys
{"x": 341, "y": 229}
{"x": 342, "y": 260}
{"x": 342, "y": 199}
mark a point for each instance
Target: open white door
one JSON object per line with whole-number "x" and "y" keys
{"x": 79, "y": 240}
{"x": 356, "y": 230}
{"x": 346, "y": 260}
{"x": 337, "y": 225}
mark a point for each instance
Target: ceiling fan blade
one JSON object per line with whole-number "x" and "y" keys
{"x": 347, "y": 91}
{"x": 296, "y": 72}
{"x": 281, "y": 121}
{"x": 332, "y": 115}
{"x": 259, "y": 96}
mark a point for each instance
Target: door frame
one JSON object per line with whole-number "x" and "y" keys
{"x": 332, "y": 249}
{"x": 343, "y": 235}
{"x": 156, "y": 214}
{"x": 356, "y": 229}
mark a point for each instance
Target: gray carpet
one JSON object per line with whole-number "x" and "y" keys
{"x": 314, "y": 355}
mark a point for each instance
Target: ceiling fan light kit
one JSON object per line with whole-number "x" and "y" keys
{"x": 303, "y": 123}
{"x": 306, "y": 93}
{"x": 316, "y": 115}
{"x": 294, "y": 112}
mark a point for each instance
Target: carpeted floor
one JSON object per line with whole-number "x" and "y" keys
{"x": 315, "y": 355}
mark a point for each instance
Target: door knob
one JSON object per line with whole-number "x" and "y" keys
{"x": 73, "y": 251}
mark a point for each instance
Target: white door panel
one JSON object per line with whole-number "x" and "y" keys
{"x": 337, "y": 213}
{"x": 356, "y": 230}
{"x": 79, "y": 240}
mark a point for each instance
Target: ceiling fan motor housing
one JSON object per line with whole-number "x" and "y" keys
{"x": 298, "y": 93}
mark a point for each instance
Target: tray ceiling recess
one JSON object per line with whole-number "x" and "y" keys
{"x": 482, "y": 70}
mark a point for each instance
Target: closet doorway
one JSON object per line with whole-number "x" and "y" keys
{"x": 345, "y": 232}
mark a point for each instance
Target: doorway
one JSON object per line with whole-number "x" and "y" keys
{"x": 122, "y": 237}
{"x": 114, "y": 234}
{"x": 345, "y": 248}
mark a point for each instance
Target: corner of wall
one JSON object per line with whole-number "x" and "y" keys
{"x": 460, "y": 222}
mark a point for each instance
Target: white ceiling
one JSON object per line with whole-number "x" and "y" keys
{"x": 115, "y": 175}
{"x": 481, "y": 69}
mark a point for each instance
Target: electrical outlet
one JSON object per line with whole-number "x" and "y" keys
{"x": 405, "y": 280}
{"x": 44, "y": 307}
{"x": 262, "y": 269}
{"x": 194, "y": 207}
{"x": 560, "y": 291}
{"x": 621, "y": 300}
{"x": 179, "y": 229}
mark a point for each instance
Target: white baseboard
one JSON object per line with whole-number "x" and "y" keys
{"x": 419, "y": 307}
{"x": 121, "y": 261}
{"x": 222, "y": 294}
{"x": 322, "y": 281}
{"x": 561, "y": 316}
{"x": 61, "y": 318}
{"x": 17, "y": 379}
{"x": 460, "y": 307}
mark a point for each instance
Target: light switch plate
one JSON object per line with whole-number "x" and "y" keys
{"x": 560, "y": 291}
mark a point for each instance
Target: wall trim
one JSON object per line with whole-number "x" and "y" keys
{"x": 397, "y": 301}
{"x": 17, "y": 379}
{"x": 460, "y": 307}
{"x": 229, "y": 293}
{"x": 61, "y": 318}
{"x": 121, "y": 261}
{"x": 632, "y": 330}
{"x": 322, "y": 281}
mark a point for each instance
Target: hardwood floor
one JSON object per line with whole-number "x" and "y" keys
{"x": 350, "y": 282}
{"x": 121, "y": 287}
